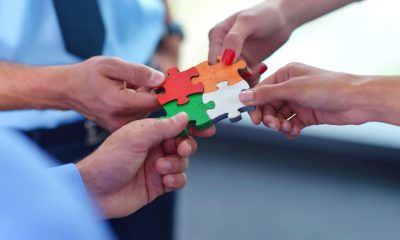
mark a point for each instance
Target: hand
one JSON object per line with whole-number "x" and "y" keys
{"x": 252, "y": 34}
{"x": 97, "y": 88}
{"x": 138, "y": 163}
{"x": 298, "y": 96}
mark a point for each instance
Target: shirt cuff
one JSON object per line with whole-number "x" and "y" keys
{"x": 71, "y": 178}
{"x": 70, "y": 175}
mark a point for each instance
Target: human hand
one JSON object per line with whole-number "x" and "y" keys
{"x": 298, "y": 96}
{"x": 138, "y": 163}
{"x": 97, "y": 88}
{"x": 252, "y": 34}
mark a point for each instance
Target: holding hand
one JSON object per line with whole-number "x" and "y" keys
{"x": 298, "y": 96}
{"x": 138, "y": 163}
{"x": 252, "y": 34}
{"x": 97, "y": 88}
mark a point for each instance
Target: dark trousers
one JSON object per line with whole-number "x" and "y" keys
{"x": 72, "y": 142}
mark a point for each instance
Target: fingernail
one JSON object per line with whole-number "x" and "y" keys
{"x": 180, "y": 117}
{"x": 228, "y": 57}
{"x": 263, "y": 69}
{"x": 247, "y": 75}
{"x": 189, "y": 148}
{"x": 246, "y": 96}
{"x": 166, "y": 166}
{"x": 170, "y": 180}
{"x": 157, "y": 78}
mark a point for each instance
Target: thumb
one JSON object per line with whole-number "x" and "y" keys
{"x": 137, "y": 75}
{"x": 149, "y": 133}
{"x": 263, "y": 94}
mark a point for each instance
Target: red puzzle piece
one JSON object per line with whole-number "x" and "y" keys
{"x": 177, "y": 86}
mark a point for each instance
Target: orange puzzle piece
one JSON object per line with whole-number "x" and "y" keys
{"x": 211, "y": 75}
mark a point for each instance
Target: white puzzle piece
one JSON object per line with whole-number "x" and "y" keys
{"x": 227, "y": 102}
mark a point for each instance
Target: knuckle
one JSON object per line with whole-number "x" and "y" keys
{"x": 294, "y": 66}
{"x": 245, "y": 18}
{"x": 213, "y": 33}
{"x": 233, "y": 37}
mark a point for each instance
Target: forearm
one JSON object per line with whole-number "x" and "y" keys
{"x": 379, "y": 96}
{"x": 298, "y": 12}
{"x": 28, "y": 87}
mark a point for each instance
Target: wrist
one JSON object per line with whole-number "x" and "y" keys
{"x": 290, "y": 14}
{"x": 379, "y": 98}
{"x": 52, "y": 88}
{"x": 298, "y": 13}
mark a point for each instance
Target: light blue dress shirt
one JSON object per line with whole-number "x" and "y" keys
{"x": 30, "y": 34}
{"x": 38, "y": 203}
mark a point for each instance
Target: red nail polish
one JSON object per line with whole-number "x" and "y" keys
{"x": 263, "y": 69}
{"x": 247, "y": 75}
{"x": 228, "y": 57}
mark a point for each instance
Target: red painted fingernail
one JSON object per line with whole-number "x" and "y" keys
{"x": 228, "y": 57}
{"x": 247, "y": 75}
{"x": 263, "y": 69}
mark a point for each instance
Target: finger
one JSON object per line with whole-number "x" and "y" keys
{"x": 272, "y": 122}
{"x": 173, "y": 182}
{"x": 187, "y": 147}
{"x": 149, "y": 133}
{"x": 172, "y": 164}
{"x": 253, "y": 75}
{"x": 134, "y": 74}
{"x": 137, "y": 102}
{"x": 286, "y": 126}
{"x": 263, "y": 94}
{"x": 285, "y": 112}
{"x": 206, "y": 133}
{"x": 170, "y": 146}
{"x": 256, "y": 116}
{"x": 216, "y": 38}
{"x": 234, "y": 40}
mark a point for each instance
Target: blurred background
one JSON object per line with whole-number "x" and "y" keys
{"x": 332, "y": 182}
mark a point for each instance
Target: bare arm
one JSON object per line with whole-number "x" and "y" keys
{"x": 255, "y": 33}
{"x": 300, "y": 12}
{"x": 23, "y": 87}
{"x": 96, "y": 88}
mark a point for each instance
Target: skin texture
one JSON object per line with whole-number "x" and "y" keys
{"x": 138, "y": 163}
{"x": 255, "y": 33}
{"x": 96, "y": 88}
{"x": 298, "y": 96}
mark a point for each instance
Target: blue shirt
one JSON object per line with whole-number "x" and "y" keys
{"x": 30, "y": 34}
{"x": 37, "y": 203}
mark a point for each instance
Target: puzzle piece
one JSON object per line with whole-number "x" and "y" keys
{"x": 195, "y": 109}
{"x": 227, "y": 102}
{"x": 211, "y": 75}
{"x": 177, "y": 86}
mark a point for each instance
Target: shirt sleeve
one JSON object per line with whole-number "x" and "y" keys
{"x": 40, "y": 202}
{"x": 71, "y": 176}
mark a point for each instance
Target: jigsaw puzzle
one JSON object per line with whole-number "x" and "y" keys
{"x": 211, "y": 75}
{"x": 177, "y": 86}
{"x": 196, "y": 110}
{"x": 227, "y": 102}
{"x": 207, "y": 93}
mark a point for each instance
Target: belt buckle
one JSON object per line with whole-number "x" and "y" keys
{"x": 93, "y": 135}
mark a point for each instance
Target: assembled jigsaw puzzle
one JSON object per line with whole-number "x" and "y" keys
{"x": 207, "y": 93}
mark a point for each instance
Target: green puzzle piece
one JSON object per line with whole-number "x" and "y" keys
{"x": 196, "y": 110}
